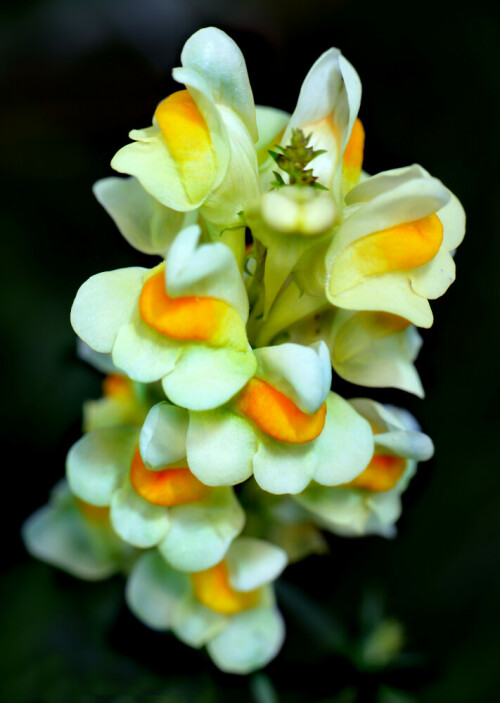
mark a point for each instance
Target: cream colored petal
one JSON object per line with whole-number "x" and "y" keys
{"x": 241, "y": 182}
{"x": 220, "y": 447}
{"x": 163, "y": 436}
{"x": 205, "y": 377}
{"x": 390, "y": 293}
{"x": 340, "y": 510}
{"x": 200, "y": 533}
{"x": 96, "y": 464}
{"x": 249, "y": 642}
{"x": 365, "y": 351}
{"x": 218, "y": 59}
{"x": 280, "y": 467}
{"x": 154, "y": 591}
{"x": 104, "y": 304}
{"x": 146, "y": 224}
{"x": 252, "y": 563}
{"x": 135, "y": 520}
{"x": 194, "y": 624}
{"x": 143, "y": 353}
{"x": 345, "y": 446}
{"x": 433, "y": 279}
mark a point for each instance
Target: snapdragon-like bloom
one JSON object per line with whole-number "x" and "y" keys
{"x": 230, "y": 607}
{"x": 280, "y": 261}
{"x": 295, "y": 219}
{"x": 368, "y": 348}
{"x": 392, "y": 251}
{"x": 284, "y": 427}
{"x": 200, "y": 151}
{"x": 182, "y": 322}
{"x": 371, "y": 503}
{"x": 192, "y": 524}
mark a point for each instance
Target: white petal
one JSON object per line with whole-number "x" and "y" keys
{"x": 143, "y": 353}
{"x": 397, "y": 430}
{"x": 105, "y": 303}
{"x": 302, "y": 373}
{"x": 217, "y": 58}
{"x": 249, "y": 642}
{"x": 345, "y": 446}
{"x": 341, "y": 510}
{"x": 280, "y": 467}
{"x": 194, "y": 624}
{"x": 374, "y": 186}
{"x": 205, "y": 377}
{"x": 154, "y": 591}
{"x": 220, "y": 447}
{"x": 163, "y": 435}
{"x": 135, "y": 520}
{"x": 200, "y": 533}
{"x": 366, "y": 352}
{"x": 97, "y": 463}
{"x": 145, "y": 223}
{"x": 391, "y": 293}
{"x": 452, "y": 217}
{"x": 434, "y": 278}
{"x": 254, "y": 562}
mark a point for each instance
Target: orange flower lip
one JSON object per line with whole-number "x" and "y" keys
{"x": 167, "y": 487}
{"x": 399, "y": 248}
{"x": 212, "y": 589}
{"x": 190, "y": 318}
{"x": 189, "y": 142}
{"x": 382, "y": 473}
{"x": 278, "y": 416}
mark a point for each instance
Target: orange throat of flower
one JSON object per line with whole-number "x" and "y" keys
{"x": 278, "y": 416}
{"x": 353, "y": 154}
{"x": 212, "y": 588}
{"x": 171, "y": 486}
{"x": 382, "y": 473}
{"x": 190, "y": 318}
{"x": 189, "y": 143}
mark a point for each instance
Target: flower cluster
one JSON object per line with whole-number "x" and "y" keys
{"x": 219, "y": 451}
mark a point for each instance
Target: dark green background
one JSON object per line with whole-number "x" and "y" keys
{"x": 76, "y": 77}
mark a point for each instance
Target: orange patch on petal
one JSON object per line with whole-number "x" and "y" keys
{"x": 172, "y": 486}
{"x": 278, "y": 416}
{"x": 117, "y": 386}
{"x": 190, "y": 318}
{"x": 212, "y": 589}
{"x": 382, "y": 473}
{"x": 353, "y": 154}
{"x": 92, "y": 513}
{"x": 189, "y": 142}
{"x": 398, "y": 248}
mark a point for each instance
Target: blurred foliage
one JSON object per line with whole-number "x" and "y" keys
{"x": 78, "y": 74}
